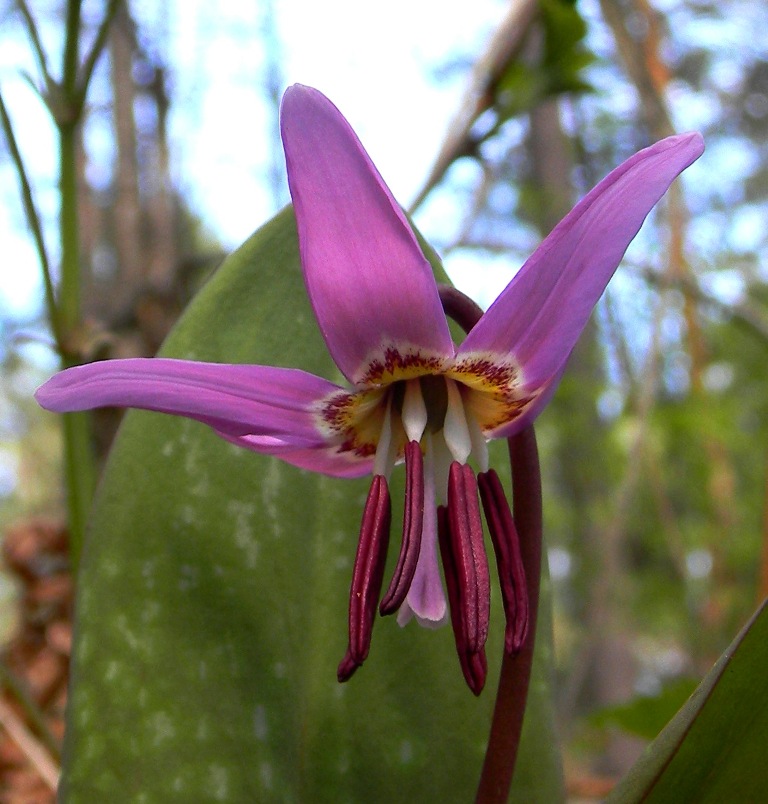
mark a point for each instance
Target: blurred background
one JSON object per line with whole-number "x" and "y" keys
{"x": 488, "y": 121}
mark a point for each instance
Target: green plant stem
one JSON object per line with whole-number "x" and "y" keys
{"x": 70, "y": 308}
{"x": 65, "y": 102}
{"x": 79, "y": 456}
{"x": 512, "y": 695}
{"x": 71, "y": 51}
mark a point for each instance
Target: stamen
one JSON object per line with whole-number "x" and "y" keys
{"x": 414, "y": 415}
{"x": 473, "y": 665}
{"x": 451, "y": 578}
{"x": 506, "y": 544}
{"x": 475, "y": 669}
{"x": 466, "y": 530}
{"x": 367, "y": 575}
{"x": 413, "y": 520}
{"x": 455, "y": 429}
{"x": 479, "y": 444}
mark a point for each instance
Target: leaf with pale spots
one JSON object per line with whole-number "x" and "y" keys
{"x": 211, "y": 614}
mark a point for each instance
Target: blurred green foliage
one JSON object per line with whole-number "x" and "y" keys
{"x": 653, "y": 450}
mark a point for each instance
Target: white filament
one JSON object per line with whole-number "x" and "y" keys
{"x": 414, "y": 411}
{"x": 455, "y": 429}
{"x": 479, "y": 444}
{"x": 441, "y": 465}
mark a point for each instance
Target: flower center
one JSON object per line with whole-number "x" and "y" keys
{"x": 462, "y": 403}
{"x": 431, "y": 405}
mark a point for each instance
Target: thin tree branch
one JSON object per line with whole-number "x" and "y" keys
{"x": 37, "y": 45}
{"x": 503, "y": 48}
{"x": 32, "y": 711}
{"x": 96, "y": 49}
{"x": 30, "y": 746}
{"x": 741, "y": 313}
{"x": 33, "y": 220}
{"x": 634, "y": 53}
{"x": 71, "y": 51}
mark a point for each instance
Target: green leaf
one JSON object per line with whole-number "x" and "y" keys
{"x": 714, "y": 748}
{"x": 211, "y": 611}
{"x": 557, "y": 69}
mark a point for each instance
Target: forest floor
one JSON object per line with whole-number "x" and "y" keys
{"x": 35, "y": 662}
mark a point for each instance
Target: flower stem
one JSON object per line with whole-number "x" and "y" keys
{"x": 512, "y": 694}
{"x": 463, "y": 310}
{"x": 509, "y": 710}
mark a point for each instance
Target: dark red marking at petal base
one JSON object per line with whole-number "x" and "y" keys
{"x": 367, "y": 575}
{"x": 413, "y": 522}
{"x": 466, "y": 530}
{"x": 393, "y": 361}
{"x": 506, "y": 544}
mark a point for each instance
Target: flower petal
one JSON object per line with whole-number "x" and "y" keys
{"x": 326, "y": 460}
{"x": 370, "y": 285}
{"x": 539, "y": 316}
{"x": 233, "y": 399}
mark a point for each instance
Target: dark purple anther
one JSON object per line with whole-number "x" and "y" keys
{"x": 451, "y": 579}
{"x": 475, "y": 669}
{"x": 413, "y": 520}
{"x": 466, "y": 529}
{"x": 506, "y": 544}
{"x": 367, "y": 575}
{"x": 473, "y": 665}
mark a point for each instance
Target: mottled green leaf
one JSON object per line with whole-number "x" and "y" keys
{"x": 211, "y": 609}
{"x": 714, "y": 748}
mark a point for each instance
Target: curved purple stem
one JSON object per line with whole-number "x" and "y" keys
{"x": 512, "y": 693}
{"x": 465, "y": 312}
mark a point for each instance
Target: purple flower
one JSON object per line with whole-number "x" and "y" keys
{"x": 414, "y": 395}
